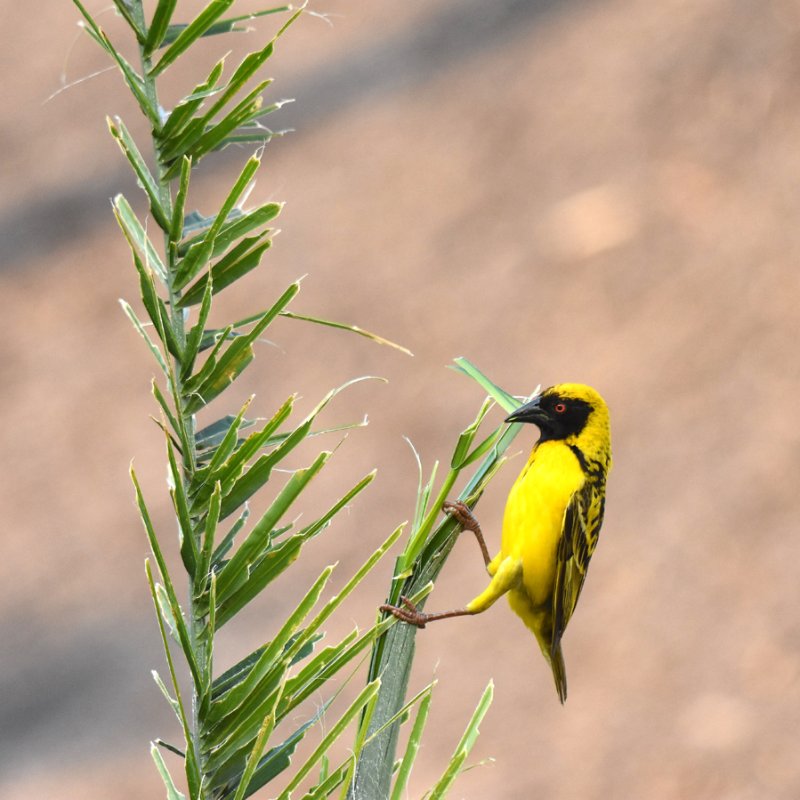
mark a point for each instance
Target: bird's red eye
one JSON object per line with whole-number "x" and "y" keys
{"x": 560, "y": 408}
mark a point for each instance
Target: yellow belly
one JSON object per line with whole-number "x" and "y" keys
{"x": 534, "y": 515}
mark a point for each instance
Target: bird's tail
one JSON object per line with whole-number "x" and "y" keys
{"x": 556, "y": 660}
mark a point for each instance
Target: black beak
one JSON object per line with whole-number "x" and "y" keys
{"x": 530, "y": 412}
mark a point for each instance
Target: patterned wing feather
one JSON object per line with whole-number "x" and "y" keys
{"x": 579, "y": 533}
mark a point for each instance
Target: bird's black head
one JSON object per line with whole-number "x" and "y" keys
{"x": 558, "y": 414}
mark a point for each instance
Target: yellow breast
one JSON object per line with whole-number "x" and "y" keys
{"x": 535, "y": 512}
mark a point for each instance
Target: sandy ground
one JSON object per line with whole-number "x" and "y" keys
{"x": 594, "y": 191}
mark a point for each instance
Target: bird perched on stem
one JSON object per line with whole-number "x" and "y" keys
{"x": 551, "y": 522}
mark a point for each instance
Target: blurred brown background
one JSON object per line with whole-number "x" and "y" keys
{"x": 605, "y": 191}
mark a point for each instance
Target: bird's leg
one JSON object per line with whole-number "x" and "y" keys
{"x": 508, "y": 575}
{"x": 413, "y": 616}
{"x": 502, "y": 579}
{"x": 467, "y": 520}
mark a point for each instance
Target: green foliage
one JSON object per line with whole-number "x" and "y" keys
{"x": 430, "y": 541}
{"x": 239, "y": 727}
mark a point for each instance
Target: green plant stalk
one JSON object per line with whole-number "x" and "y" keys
{"x": 198, "y": 630}
{"x": 420, "y": 564}
{"x": 224, "y": 748}
{"x": 372, "y": 779}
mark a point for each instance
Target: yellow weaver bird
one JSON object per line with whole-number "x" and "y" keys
{"x": 551, "y": 522}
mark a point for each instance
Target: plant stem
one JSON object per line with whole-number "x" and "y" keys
{"x": 198, "y": 629}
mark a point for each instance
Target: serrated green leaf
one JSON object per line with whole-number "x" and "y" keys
{"x": 262, "y": 737}
{"x": 330, "y": 781}
{"x": 170, "y": 699}
{"x": 212, "y": 135}
{"x": 211, "y": 436}
{"x": 172, "y": 791}
{"x": 175, "y": 422}
{"x": 202, "y": 134}
{"x": 126, "y": 12}
{"x": 283, "y": 554}
{"x": 136, "y": 236}
{"x": 331, "y": 660}
{"x": 484, "y": 447}
{"x": 345, "y": 327}
{"x": 159, "y": 25}
{"x": 179, "y": 206}
{"x": 247, "y": 67}
{"x": 188, "y": 545}
{"x": 257, "y": 475}
{"x": 146, "y": 179}
{"x": 278, "y": 438}
{"x": 194, "y": 222}
{"x": 157, "y": 310}
{"x": 189, "y": 384}
{"x": 239, "y": 671}
{"x": 226, "y": 544}
{"x": 182, "y": 114}
{"x": 193, "y": 31}
{"x": 209, "y": 533}
{"x": 403, "y": 714}
{"x": 240, "y": 124}
{"x": 249, "y": 128}
{"x": 412, "y": 746}
{"x": 165, "y": 577}
{"x": 367, "y": 695}
{"x": 231, "y": 739}
{"x": 192, "y": 771}
{"x": 198, "y": 254}
{"x": 219, "y": 380}
{"x": 131, "y": 314}
{"x": 195, "y": 226}
{"x": 238, "y": 224}
{"x": 467, "y": 436}
{"x": 213, "y": 335}
{"x": 348, "y": 588}
{"x": 194, "y": 339}
{"x": 254, "y": 546}
{"x": 317, "y": 669}
{"x": 243, "y": 258}
{"x": 279, "y": 758}
{"x": 227, "y": 25}
{"x": 255, "y": 135}
{"x": 505, "y": 400}
{"x": 227, "y": 440}
{"x": 180, "y": 145}
{"x": 131, "y": 77}
{"x": 250, "y": 583}
{"x": 441, "y": 788}
{"x": 216, "y": 375}
{"x": 166, "y": 612}
{"x": 232, "y": 700}
{"x": 234, "y": 463}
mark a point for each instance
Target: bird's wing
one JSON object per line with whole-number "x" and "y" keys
{"x": 579, "y": 532}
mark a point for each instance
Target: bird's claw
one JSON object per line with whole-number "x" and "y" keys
{"x": 462, "y": 513}
{"x": 410, "y": 614}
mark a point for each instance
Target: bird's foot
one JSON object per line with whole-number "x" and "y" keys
{"x": 410, "y": 613}
{"x": 461, "y": 512}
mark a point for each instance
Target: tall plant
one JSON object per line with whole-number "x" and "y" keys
{"x": 236, "y": 726}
